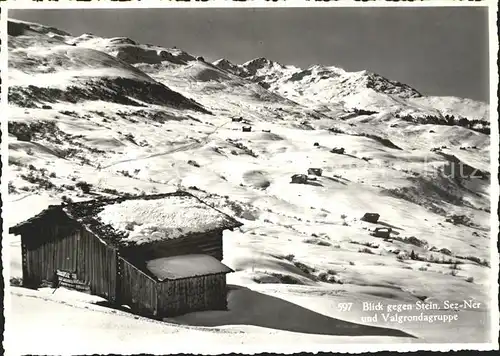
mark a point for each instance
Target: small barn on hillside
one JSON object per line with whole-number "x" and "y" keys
{"x": 159, "y": 254}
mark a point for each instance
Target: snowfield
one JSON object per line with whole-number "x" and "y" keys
{"x": 91, "y": 116}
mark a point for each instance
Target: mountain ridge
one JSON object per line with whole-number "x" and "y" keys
{"x": 323, "y": 86}
{"x": 318, "y": 86}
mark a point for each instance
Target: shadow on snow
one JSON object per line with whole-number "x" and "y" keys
{"x": 248, "y": 307}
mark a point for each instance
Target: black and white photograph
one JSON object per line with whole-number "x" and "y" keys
{"x": 204, "y": 179}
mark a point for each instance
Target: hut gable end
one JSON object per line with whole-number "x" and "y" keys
{"x": 50, "y": 224}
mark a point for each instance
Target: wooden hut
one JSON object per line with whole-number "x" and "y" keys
{"x": 339, "y": 150}
{"x": 299, "y": 179}
{"x": 315, "y": 171}
{"x": 384, "y": 232}
{"x": 159, "y": 254}
{"x": 371, "y": 217}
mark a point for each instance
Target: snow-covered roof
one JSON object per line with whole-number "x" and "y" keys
{"x": 185, "y": 266}
{"x": 170, "y": 217}
{"x": 137, "y": 220}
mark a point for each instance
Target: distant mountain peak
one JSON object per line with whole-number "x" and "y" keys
{"x": 258, "y": 60}
{"x": 225, "y": 64}
{"x": 228, "y": 66}
{"x": 261, "y": 62}
{"x": 381, "y": 84}
{"x": 221, "y": 61}
{"x": 330, "y": 82}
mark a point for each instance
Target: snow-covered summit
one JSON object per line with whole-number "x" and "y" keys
{"x": 331, "y": 86}
{"x": 262, "y": 64}
{"x": 228, "y": 66}
{"x": 276, "y": 75}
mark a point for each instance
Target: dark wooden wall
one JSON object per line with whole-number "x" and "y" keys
{"x": 207, "y": 243}
{"x": 97, "y": 265}
{"x": 181, "y": 296}
{"x": 45, "y": 250}
{"x": 51, "y": 244}
{"x": 137, "y": 289}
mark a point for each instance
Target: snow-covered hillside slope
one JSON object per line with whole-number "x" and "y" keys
{"x": 47, "y": 66}
{"x": 91, "y": 116}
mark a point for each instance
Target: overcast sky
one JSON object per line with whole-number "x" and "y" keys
{"x": 438, "y": 51}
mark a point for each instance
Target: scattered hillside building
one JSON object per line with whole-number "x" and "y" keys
{"x": 384, "y": 232}
{"x": 371, "y": 217}
{"x": 159, "y": 254}
{"x": 315, "y": 171}
{"x": 338, "y": 150}
{"x": 299, "y": 178}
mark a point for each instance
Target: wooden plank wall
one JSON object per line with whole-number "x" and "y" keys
{"x": 97, "y": 265}
{"x": 209, "y": 244}
{"x": 137, "y": 289}
{"x": 191, "y": 294}
{"x": 45, "y": 252}
{"x": 49, "y": 247}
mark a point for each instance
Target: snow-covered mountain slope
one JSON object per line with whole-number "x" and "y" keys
{"x": 451, "y": 105}
{"x": 113, "y": 117}
{"x": 46, "y": 66}
{"x": 329, "y": 85}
